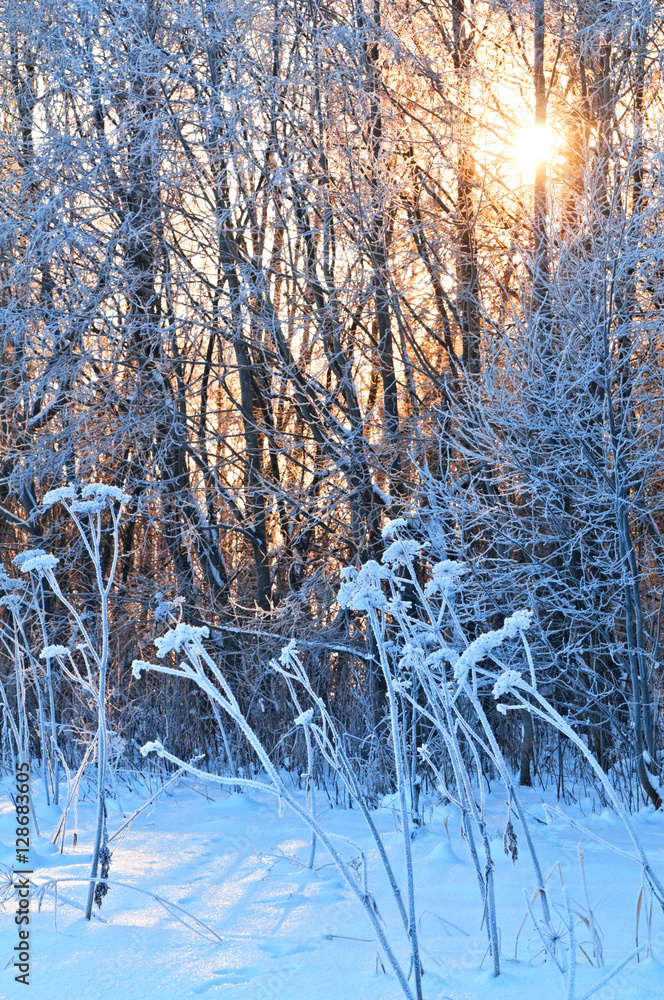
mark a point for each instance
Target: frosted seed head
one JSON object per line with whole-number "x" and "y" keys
{"x": 412, "y": 657}
{"x": 445, "y": 577}
{"x": 58, "y": 495}
{"x": 401, "y": 552}
{"x": 27, "y": 554}
{"x": 104, "y": 493}
{"x": 520, "y": 620}
{"x": 8, "y": 583}
{"x": 444, "y": 654}
{"x": 11, "y": 601}
{"x": 362, "y": 591}
{"x": 305, "y": 717}
{"x": 36, "y": 561}
{"x": 49, "y": 652}
{"x": 87, "y": 506}
{"x": 392, "y": 526}
{"x": 176, "y": 637}
{"x": 508, "y": 680}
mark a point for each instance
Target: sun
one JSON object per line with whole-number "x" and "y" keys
{"x": 530, "y": 147}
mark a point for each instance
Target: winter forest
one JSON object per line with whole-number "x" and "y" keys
{"x": 332, "y": 499}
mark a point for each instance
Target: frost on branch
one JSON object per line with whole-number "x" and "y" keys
{"x": 150, "y": 746}
{"x": 176, "y": 637}
{"x": 138, "y": 665}
{"x": 362, "y": 590}
{"x": 35, "y": 560}
{"x": 305, "y": 717}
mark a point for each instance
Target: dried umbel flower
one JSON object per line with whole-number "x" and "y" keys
{"x": 176, "y": 637}
{"x": 445, "y": 577}
{"x": 392, "y": 526}
{"x": 35, "y": 561}
{"x": 8, "y": 583}
{"x": 489, "y": 641}
{"x": 100, "y": 491}
{"x": 508, "y": 680}
{"x": 401, "y": 552}
{"x": 58, "y": 495}
{"x": 361, "y": 590}
{"x": 50, "y": 652}
{"x": 93, "y": 497}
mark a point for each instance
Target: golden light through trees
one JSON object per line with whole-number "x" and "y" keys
{"x": 530, "y": 147}
{"x": 285, "y": 271}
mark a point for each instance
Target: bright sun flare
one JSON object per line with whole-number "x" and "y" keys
{"x": 530, "y": 147}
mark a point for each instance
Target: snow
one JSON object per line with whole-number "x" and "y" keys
{"x": 232, "y": 861}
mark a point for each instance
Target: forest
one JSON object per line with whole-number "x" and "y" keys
{"x": 332, "y": 493}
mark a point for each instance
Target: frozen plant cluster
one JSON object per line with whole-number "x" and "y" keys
{"x": 435, "y": 679}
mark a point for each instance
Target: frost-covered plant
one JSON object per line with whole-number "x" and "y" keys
{"x": 21, "y": 601}
{"x": 94, "y": 509}
{"x": 423, "y": 648}
{"x": 442, "y": 676}
{"x": 200, "y": 667}
{"x": 527, "y": 695}
{"x": 330, "y": 743}
{"x": 431, "y": 669}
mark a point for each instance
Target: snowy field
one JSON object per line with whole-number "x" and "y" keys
{"x": 234, "y": 863}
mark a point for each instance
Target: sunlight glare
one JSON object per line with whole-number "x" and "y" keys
{"x": 530, "y": 147}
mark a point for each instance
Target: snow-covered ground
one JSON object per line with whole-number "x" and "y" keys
{"x": 288, "y": 933}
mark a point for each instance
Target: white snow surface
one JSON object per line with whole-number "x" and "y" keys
{"x": 289, "y": 933}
